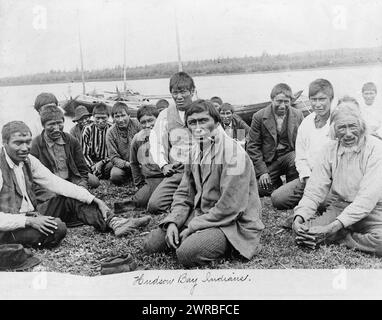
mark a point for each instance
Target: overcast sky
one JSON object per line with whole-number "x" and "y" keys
{"x": 32, "y": 42}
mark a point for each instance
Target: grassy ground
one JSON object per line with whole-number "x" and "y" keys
{"x": 83, "y": 248}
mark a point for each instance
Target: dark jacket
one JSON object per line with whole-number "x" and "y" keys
{"x": 76, "y": 161}
{"x": 262, "y": 141}
{"x": 239, "y": 124}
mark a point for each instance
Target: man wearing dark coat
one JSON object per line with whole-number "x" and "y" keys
{"x": 272, "y": 138}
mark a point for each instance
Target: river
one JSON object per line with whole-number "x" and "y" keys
{"x": 16, "y": 102}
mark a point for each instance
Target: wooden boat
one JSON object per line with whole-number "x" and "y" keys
{"x": 133, "y": 101}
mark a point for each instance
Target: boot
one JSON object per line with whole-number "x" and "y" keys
{"x": 122, "y": 226}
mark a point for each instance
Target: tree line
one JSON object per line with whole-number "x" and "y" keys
{"x": 263, "y": 63}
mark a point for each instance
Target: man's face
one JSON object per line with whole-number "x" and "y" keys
{"x": 348, "y": 130}
{"x": 182, "y": 98}
{"x": 320, "y": 103}
{"x": 369, "y": 96}
{"x": 84, "y": 121}
{"x": 100, "y": 120}
{"x": 226, "y": 116}
{"x": 280, "y": 104}
{"x": 121, "y": 118}
{"x": 53, "y": 128}
{"x": 147, "y": 122}
{"x": 18, "y": 146}
{"x": 201, "y": 125}
{"x": 216, "y": 105}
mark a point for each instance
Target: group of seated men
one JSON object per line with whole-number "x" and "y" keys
{"x": 203, "y": 168}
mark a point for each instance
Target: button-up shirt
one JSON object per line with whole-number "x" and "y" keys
{"x": 56, "y": 149}
{"x": 353, "y": 174}
{"x": 46, "y": 179}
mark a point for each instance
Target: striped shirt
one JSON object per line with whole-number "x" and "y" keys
{"x": 94, "y": 144}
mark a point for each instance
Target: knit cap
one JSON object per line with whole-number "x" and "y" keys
{"x": 50, "y": 112}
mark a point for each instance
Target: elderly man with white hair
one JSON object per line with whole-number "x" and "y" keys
{"x": 351, "y": 167}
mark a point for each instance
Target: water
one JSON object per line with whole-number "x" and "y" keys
{"x": 16, "y": 103}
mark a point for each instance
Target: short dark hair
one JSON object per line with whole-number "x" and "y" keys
{"x": 101, "y": 108}
{"x": 321, "y": 85}
{"x": 369, "y": 86}
{"x": 217, "y": 100}
{"x": 226, "y": 106}
{"x": 44, "y": 98}
{"x": 13, "y": 127}
{"x": 162, "y": 104}
{"x": 181, "y": 80}
{"x": 281, "y": 88}
{"x": 147, "y": 111}
{"x": 118, "y": 107}
{"x": 201, "y": 105}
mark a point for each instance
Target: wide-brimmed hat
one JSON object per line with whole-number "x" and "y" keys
{"x": 16, "y": 257}
{"x": 81, "y": 111}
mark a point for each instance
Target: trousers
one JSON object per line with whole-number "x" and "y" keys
{"x": 74, "y": 212}
{"x": 161, "y": 199}
{"x": 283, "y": 165}
{"x": 365, "y": 235}
{"x": 32, "y": 238}
{"x": 288, "y": 195}
{"x": 142, "y": 196}
{"x": 200, "y": 248}
{"x": 119, "y": 176}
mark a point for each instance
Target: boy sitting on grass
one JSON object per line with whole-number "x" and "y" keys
{"x": 146, "y": 173}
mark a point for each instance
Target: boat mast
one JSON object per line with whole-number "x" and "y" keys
{"x": 81, "y": 57}
{"x": 180, "y": 67}
{"x": 124, "y": 58}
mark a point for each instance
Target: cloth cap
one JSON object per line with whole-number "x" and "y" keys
{"x": 16, "y": 257}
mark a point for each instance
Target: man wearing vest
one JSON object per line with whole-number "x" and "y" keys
{"x": 170, "y": 141}
{"x": 22, "y": 220}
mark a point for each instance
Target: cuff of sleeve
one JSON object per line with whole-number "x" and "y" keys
{"x": 90, "y": 198}
{"x": 23, "y": 220}
{"x": 191, "y": 227}
{"x": 162, "y": 164}
{"x": 163, "y": 225}
{"x": 344, "y": 220}
{"x": 299, "y": 215}
{"x": 304, "y": 173}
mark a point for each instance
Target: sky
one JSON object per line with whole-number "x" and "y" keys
{"x": 42, "y": 35}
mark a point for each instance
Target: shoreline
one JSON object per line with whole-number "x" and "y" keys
{"x": 199, "y": 75}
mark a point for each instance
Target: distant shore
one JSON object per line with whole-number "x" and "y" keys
{"x": 340, "y": 66}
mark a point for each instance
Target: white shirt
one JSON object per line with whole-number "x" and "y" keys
{"x": 26, "y": 204}
{"x": 46, "y": 179}
{"x": 373, "y": 118}
{"x": 159, "y": 147}
{"x": 309, "y": 142}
